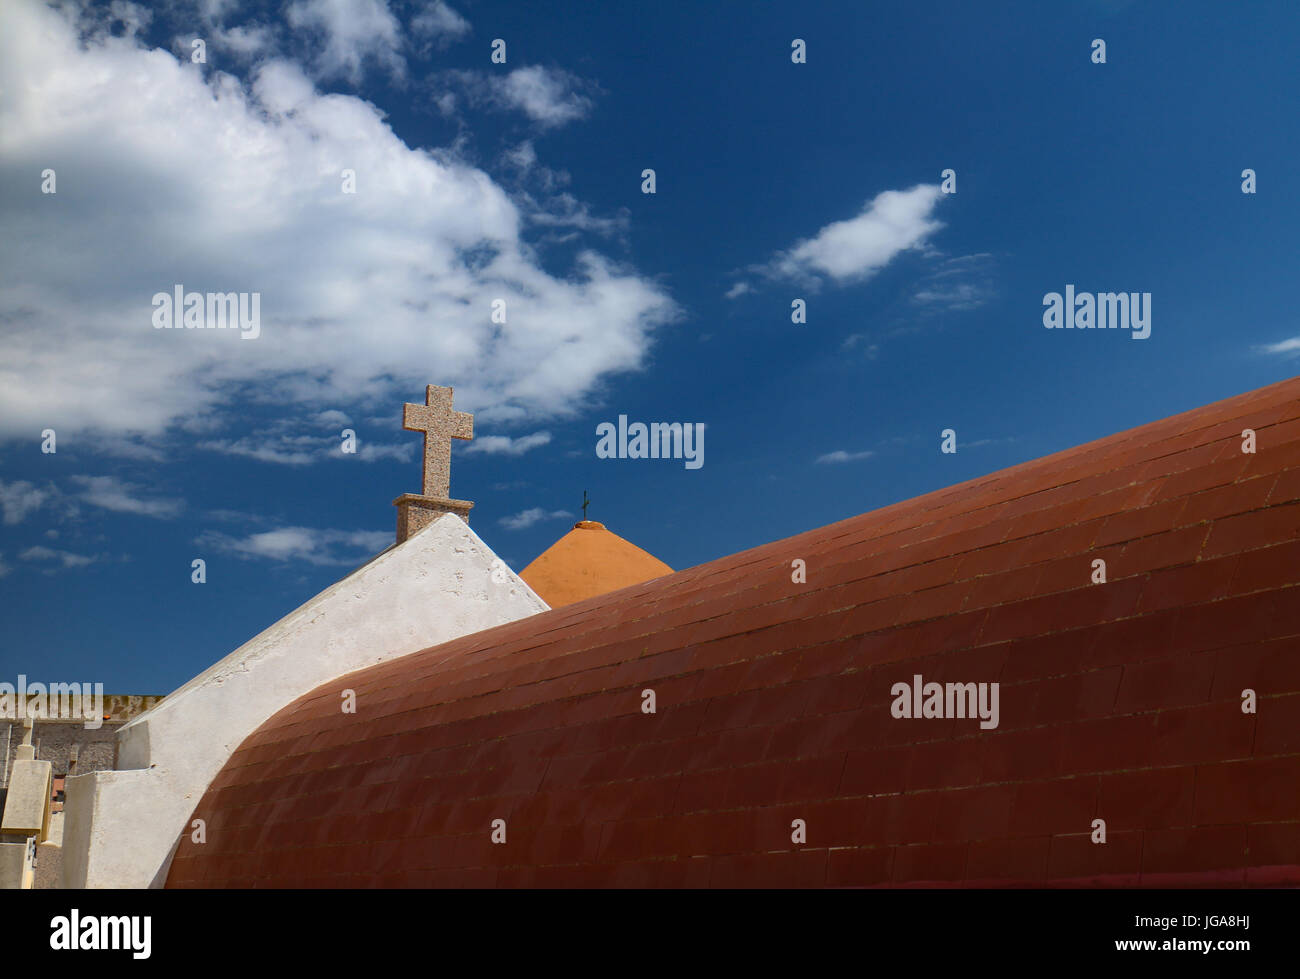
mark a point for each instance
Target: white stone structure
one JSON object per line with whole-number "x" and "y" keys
{"x": 443, "y": 582}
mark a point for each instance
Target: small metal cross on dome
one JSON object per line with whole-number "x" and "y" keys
{"x": 440, "y": 424}
{"x": 585, "y": 501}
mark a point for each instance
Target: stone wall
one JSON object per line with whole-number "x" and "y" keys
{"x": 55, "y": 739}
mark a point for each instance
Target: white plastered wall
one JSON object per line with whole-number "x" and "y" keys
{"x": 444, "y": 582}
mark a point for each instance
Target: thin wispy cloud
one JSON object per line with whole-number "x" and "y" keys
{"x": 505, "y": 445}
{"x": 841, "y": 455}
{"x": 111, "y": 493}
{"x": 526, "y": 518}
{"x": 285, "y": 448}
{"x": 960, "y": 295}
{"x": 300, "y": 544}
{"x": 859, "y": 342}
{"x": 66, "y": 559}
{"x": 959, "y": 283}
{"x": 1289, "y": 347}
{"x": 19, "y": 498}
{"x": 977, "y": 443}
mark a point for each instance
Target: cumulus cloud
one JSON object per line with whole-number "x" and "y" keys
{"x": 840, "y": 455}
{"x": 738, "y": 290}
{"x": 845, "y": 251}
{"x": 19, "y": 498}
{"x": 526, "y": 518}
{"x": 338, "y": 39}
{"x": 111, "y": 493}
{"x": 314, "y": 546}
{"x": 167, "y": 175}
{"x": 245, "y": 41}
{"x": 352, "y": 33}
{"x": 505, "y": 445}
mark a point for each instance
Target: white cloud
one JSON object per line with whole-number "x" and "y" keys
{"x": 523, "y": 160}
{"x": 958, "y": 283}
{"x": 891, "y": 223}
{"x": 332, "y": 418}
{"x": 302, "y": 544}
{"x": 505, "y": 445}
{"x": 246, "y": 41}
{"x": 126, "y": 447}
{"x": 285, "y": 449}
{"x": 1290, "y": 346}
{"x": 840, "y": 455}
{"x": 550, "y": 97}
{"x": 522, "y": 157}
{"x": 959, "y": 295}
{"x": 439, "y": 23}
{"x": 4, "y": 568}
{"x": 66, "y": 558}
{"x": 169, "y": 176}
{"x": 859, "y": 340}
{"x": 566, "y": 211}
{"x": 132, "y": 17}
{"x": 739, "y": 289}
{"x": 372, "y": 452}
{"x": 280, "y": 444}
{"x": 353, "y": 32}
{"x": 526, "y": 518}
{"x": 19, "y": 498}
{"x": 998, "y": 441}
{"x": 111, "y": 493}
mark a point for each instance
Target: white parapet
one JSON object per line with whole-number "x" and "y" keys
{"x": 444, "y": 582}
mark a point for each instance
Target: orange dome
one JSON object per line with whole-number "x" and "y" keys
{"x": 588, "y": 561}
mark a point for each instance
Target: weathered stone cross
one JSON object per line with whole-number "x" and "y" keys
{"x": 440, "y": 424}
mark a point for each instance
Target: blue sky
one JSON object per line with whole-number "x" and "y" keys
{"x": 522, "y": 180}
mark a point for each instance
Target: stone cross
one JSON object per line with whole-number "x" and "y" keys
{"x": 440, "y": 424}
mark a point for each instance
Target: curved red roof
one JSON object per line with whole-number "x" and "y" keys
{"x": 1119, "y": 701}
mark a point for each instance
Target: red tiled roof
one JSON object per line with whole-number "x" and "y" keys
{"x": 1119, "y": 701}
